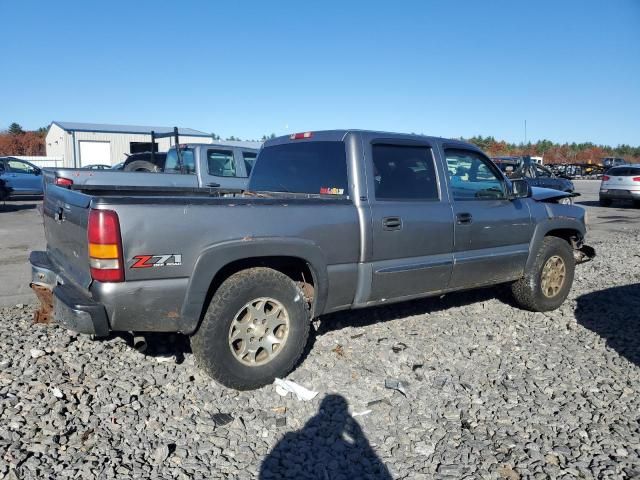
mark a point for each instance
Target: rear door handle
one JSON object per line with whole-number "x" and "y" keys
{"x": 392, "y": 223}
{"x": 463, "y": 218}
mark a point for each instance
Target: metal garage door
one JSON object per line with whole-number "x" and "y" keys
{"x": 95, "y": 152}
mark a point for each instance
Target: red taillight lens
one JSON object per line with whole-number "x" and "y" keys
{"x": 636, "y": 179}
{"x": 605, "y": 178}
{"x": 63, "y": 182}
{"x": 299, "y": 136}
{"x": 105, "y": 246}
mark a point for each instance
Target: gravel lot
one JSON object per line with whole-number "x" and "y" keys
{"x": 491, "y": 391}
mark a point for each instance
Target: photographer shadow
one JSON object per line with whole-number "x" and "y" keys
{"x": 330, "y": 445}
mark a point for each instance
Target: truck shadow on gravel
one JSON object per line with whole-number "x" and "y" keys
{"x": 157, "y": 344}
{"x": 330, "y": 445}
{"x": 613, "y": 314}
{"x": 386, "y": 313}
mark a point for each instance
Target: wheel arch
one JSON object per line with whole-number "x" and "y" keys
{"x": 567, "y": 229}
{"x": 303, "y": 262}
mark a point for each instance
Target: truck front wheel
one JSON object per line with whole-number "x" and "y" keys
{"x": 255, "y": 329}
{"x": 547, "y": 282}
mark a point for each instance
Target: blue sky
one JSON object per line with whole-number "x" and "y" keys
{"x": 453, "y": 68}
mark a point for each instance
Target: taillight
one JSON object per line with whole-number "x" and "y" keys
{"x": 636, "y": 179}
{"x": 63, "y": 182}
{"x": 105, "y": 246}
{"x": 605, "y": 178}
{"x": 299, "y": 136}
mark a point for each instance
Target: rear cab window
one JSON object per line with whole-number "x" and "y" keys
{"x": 172, "y": 164}
{"x": 220, "y": 163}
{"x": 316, "y": 168}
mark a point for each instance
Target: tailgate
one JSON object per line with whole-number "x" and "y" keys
{"x": 65, "y": 226}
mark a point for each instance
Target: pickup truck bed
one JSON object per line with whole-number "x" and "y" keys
{"x": 331, "y": 221}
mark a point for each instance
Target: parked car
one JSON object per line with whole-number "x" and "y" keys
{"x": 194, "y": 165}
{"x": 331, "y": 221}
{"x": 118, "y": 166}
{"x": 534, "y": 174}
{"x": 621, "y": 183}
{"x": 20, "y": 177}
{"x": 609, "y": 162}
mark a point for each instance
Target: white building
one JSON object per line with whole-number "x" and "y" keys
{"x": 81, "y": 144}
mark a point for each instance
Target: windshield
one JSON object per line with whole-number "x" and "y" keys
{"x": 305, "y": 167}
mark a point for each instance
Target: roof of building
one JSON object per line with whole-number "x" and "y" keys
{"x": 105, "y": 128}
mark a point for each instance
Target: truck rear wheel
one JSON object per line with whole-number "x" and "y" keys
{"x": 548, "y": 281}
{"x": 255, "y": 329}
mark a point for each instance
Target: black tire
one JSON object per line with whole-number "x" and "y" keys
{"x": 605, "y": 202}
{"x": 142, "y": 166}
{"x": 636, "y": 203}
{"x": 527, "y": 291}
{"x": 210, "y": 343}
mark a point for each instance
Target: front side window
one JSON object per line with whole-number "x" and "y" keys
{"x": 404, "y": 173}
{"x": 220, "y": 163}
{"x": 16, "y": 166}
{"x": 249, "y": 161}
{"x": 172, "y": 165}
{"x": 306, "y": 167}
{"x": 473, "y": 177}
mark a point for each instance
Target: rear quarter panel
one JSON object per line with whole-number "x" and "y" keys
{"x": 208, "y": 234}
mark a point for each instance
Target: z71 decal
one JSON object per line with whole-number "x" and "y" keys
{"x": 148, "y": 261}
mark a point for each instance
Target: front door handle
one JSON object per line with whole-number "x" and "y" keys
{"x": 463, "y": 218}
{"x": 392, "y": 223}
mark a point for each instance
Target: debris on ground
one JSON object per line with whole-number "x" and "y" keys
{"x": 395, "y": 384}
{"x": 283, "y": 387}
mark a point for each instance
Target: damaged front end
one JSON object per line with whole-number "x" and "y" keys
{"x": 583, "y": 254}
{"x": 549, "y": 195}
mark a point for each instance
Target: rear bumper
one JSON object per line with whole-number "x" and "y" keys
{"x": 69, "y": 305}
{"x": 615, "y": 194}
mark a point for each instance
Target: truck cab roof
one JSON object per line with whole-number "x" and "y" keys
{"x": 340, "y": 135}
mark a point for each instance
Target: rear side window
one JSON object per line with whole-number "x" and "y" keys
{"x": 220, "y": 163}
{"x": 249, "y": 161}
{"x": 404, "y": 173}
{"x": 172, "y": 166}
{"x": 305, "y": 167}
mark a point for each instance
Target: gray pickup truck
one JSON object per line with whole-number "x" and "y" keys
{"x": 226, "y": 165}
{"x": 331, "y": 221}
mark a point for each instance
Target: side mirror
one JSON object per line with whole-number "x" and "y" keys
{"x": 37, "y": 171}
{"x": 520, "y": 189}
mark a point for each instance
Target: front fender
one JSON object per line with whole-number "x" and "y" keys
{"x": 555, "y": 222}
{"x": 213, "y": 259}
